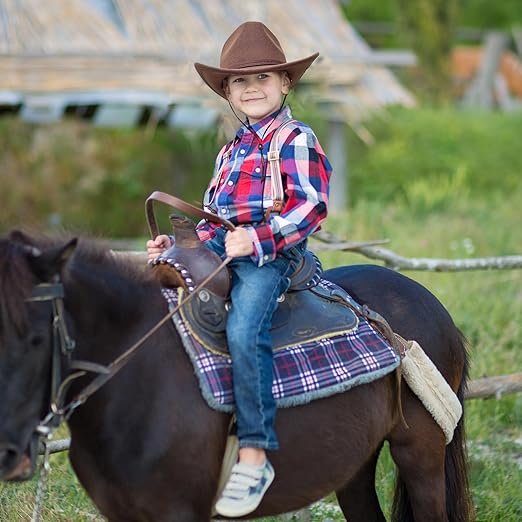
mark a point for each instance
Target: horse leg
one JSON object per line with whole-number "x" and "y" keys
{"x": 358, "y": 498}
{"x": 419, "y": 454}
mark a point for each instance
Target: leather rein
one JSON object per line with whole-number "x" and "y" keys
{"x": 63, "y": 344}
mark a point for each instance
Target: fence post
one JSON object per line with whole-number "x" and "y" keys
{"x": 338, "y": 156}
{"x": 480, "y": 92}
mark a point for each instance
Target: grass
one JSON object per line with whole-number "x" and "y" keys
{"x": 486, "y": 305}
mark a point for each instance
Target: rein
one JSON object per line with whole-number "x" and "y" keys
{"x": 63, "y": 344}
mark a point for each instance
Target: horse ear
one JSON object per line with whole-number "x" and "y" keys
{"x": 50, "y": 262}
{"x": 20, "y": 237}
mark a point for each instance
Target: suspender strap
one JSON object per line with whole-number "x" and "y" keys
{"x": 274, "y": 163}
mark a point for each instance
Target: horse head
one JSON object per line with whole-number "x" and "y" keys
{"x": 29, "y": 275}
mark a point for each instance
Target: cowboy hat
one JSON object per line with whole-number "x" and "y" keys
{"x": 252, "y": 48}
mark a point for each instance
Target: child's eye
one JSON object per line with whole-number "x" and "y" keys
{"x": 237, "y": 80}
{"x": 262, "y": 76}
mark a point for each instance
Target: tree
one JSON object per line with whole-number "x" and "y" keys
{"x": 428, "y": 27}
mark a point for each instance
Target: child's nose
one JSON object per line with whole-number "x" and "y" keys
{"x": 251, "y": 84}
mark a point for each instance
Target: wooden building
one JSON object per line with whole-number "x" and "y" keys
{"x": 126, "y": 62}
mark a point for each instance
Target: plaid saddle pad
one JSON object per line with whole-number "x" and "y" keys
{"x": 302, "y": 372}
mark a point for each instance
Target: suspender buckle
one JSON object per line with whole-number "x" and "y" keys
{"x": 278, "y": 206}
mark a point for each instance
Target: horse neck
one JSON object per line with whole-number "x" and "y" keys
{"x": 109, "y": 312}
{"x": 108, "y": 307}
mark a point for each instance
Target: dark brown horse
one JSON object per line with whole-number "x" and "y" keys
{"x": 146, "y": 447}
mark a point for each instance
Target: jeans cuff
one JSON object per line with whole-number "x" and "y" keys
{"x": 245, "y": 443}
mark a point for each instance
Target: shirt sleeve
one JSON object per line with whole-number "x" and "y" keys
{"x": 306, "y": 171}
{"x": 206, "y": 230}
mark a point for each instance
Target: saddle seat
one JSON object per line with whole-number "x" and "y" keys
{"x": 303, "y": 316}
{"x": 188, "y": 262}
{"x": 309, "y": 310}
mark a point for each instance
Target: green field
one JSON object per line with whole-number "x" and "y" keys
{"x": 452, "y": 195}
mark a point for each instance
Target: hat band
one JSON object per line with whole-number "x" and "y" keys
{"x": 250, "y": 64}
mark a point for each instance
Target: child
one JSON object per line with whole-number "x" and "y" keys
{"x": 266, "y": 246}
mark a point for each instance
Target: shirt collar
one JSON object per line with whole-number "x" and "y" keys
{"x": 269, "y": 123}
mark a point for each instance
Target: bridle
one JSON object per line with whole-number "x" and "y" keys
{"x": 62, "y": 343}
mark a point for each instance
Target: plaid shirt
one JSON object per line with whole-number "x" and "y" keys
{"x": 240, "y": 192}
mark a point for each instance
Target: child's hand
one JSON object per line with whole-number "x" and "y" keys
{"x": 156, "y": 246}
{"x": 238, "y": 243}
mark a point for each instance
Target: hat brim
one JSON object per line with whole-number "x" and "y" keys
{"x": 214, "y": 76}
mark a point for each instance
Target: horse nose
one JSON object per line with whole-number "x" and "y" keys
{"x": 9, "y": 455}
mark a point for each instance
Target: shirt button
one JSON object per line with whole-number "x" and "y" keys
{"x": 223, "y": 210}
{"x": 230, "y": 182}
{"x": 242, "y": 151}
{"x": 258, "y": 169}
{"x": 265, "y": 257}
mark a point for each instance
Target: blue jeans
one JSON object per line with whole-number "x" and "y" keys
{"x": 254, "y": 299}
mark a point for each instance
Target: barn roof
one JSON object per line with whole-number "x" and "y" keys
{"x": 146, "y": 48}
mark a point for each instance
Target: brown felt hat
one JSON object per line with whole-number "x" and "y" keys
{"x": 252, "y": 48}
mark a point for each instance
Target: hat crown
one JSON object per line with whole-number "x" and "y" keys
{"x": 252, "y": 44}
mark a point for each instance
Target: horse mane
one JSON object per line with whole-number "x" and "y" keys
{"x": 92, "y": 258}
{"x": 16, "y": 282}
{"x": 125, "y": 283}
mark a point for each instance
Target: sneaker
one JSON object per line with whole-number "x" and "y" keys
{"x": 245, "y": 489}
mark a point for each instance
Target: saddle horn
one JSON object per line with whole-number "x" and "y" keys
{"x": 187, "y": 262}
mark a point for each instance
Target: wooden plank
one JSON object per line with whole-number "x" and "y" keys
{"x": 494, "y": 386}
{"x": 151, "y": 45}
{"x": 481, "y": 90}
{"x": 502, "y": 95}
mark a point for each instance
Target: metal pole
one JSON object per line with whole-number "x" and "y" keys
{"x": 338, "y": 156}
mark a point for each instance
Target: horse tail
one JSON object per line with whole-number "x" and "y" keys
{"x": 459, "y": 507}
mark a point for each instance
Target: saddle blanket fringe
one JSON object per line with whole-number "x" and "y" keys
{"x": 303, "y": 372}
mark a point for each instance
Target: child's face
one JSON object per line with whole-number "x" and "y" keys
{"x": 257, "y": 95}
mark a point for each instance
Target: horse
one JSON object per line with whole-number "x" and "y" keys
{"x": 147, "y": 447}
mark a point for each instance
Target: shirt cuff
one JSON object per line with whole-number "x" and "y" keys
{"x": 205, "y": 230}
{"x": 264, "y": 244}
